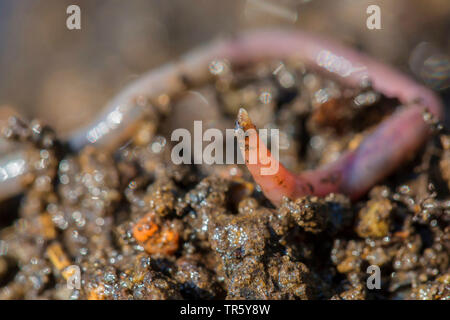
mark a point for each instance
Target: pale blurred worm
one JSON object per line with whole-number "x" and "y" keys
{"x": 121, "y": 116}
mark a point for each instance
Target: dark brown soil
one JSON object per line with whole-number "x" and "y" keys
{"x": 141, "y": 227}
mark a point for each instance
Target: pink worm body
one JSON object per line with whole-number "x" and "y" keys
{"x": 354, "y": 172}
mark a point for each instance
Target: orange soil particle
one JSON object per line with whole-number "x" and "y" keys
{"x": 97, "y": 293}
{"x": 155, "y": 239}
{"x": 145, "y": 228}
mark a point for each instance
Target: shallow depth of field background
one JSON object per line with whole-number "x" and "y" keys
{"x": 64, "y": 77}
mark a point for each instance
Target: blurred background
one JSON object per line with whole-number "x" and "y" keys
{"x": 65, "y": 76}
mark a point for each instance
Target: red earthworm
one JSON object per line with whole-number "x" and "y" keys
{"x": 355, "y": 172}
{"x": 378, "y": 155}
{"x": 126, "y": 109}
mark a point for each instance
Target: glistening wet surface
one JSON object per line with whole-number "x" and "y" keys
{"x": 141, "y": 227}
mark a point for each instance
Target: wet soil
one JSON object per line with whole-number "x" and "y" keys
{"x": 140, "y": 227}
